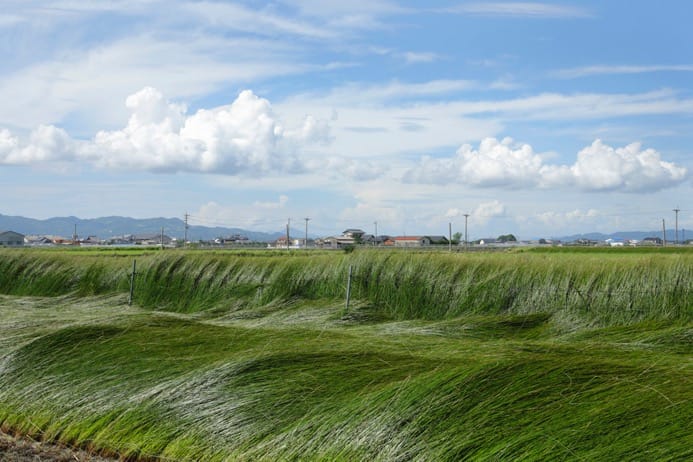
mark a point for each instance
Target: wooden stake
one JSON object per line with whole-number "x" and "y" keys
{"x": 132, "y": 281}
{"x": 348, "y": 290}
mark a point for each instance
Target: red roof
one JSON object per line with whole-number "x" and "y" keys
{"x": 407, "y": 238}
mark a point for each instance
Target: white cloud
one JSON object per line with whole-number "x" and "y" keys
{"x": 567, "y": 219}
{"x": 487, "y": 210}
{"x": 236, "y": 17}
{"x": 357, "y": 170}
{"x": 369, "y": 95}
{"x": 242, "y": 215}
{"x": 243, "y": 137}
{"x": 631, "y": 169}
{"x": 454, "y": 213}
{"x": 48, "y": 91}
{"x": 365, "y": 214}
{"x": 45, "y": 144}
{"x": 282, "y": 200}
{"x": 495, "y": 163}
{"x": 339, "y": 8}
{"x": 519, "y": 9}
{"x": 509, "y": 165}
{"x": 590, "y": 106}
{"x": 413, "y": 57}
{"x": 586, "y": 71}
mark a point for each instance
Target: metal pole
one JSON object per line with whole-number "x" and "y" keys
{"x": 450, "y": 237}
{"x": 305, "y": 242}
{"x": 466, "y": 241}
{"x": 664, "y": 233}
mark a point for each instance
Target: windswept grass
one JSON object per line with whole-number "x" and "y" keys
{"x": 598, "y": 288}
{"x": 519, "y": 356}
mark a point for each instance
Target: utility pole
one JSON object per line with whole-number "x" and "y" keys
{"x": 288, "y": 225}
{"x": 74, "y": 236}
{"x": 305, "y": 242}
{"x": 375, "y": 240}
{"x": 185, "y": 239}
{"x": 664, "y": 232}
{"x": 466, "y": 241}
{"x": 677, "y": 210}
{"x": 162, "y": 238}
{"x": 449, "y": 237}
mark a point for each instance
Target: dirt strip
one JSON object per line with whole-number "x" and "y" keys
{"x": 27, "y": 450}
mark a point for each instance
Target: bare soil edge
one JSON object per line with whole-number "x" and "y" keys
{"x": 18, "y": 449}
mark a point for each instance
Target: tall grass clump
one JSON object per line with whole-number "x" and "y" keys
{"x": 597, "y": 288}
{"x": 53, "y": 273}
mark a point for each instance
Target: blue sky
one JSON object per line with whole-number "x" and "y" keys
{"x": 536, "y": 118}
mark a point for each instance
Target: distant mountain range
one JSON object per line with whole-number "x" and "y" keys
{"x": 625, "y": 235}
{"x": 106, "y": 227}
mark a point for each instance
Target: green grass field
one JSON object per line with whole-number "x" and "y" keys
{"x": 531, "y": 355}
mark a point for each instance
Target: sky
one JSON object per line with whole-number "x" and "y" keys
{"x": 540, "y": 119}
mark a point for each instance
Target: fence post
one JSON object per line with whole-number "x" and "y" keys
{"x": 132, "y": 281}
{"x": 348, "y": 289}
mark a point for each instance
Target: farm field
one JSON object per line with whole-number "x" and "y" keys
{"x": 559, "y": 354}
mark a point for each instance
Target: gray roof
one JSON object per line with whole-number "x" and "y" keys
{"x": 11, "y": 233}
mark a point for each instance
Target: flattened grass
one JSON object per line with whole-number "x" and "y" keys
{"x": 440, "y": 357}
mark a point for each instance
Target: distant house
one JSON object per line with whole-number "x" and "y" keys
{"x": 615, "y": 242}
{"x": 419, "y": 241}
{"x": 326, "y": 242}
{"x": 652, "y": 241}
{"x": 59, "y": 240}
{"x": 585, "y": 242}
{"x": 11, "y": 239}
{"x": 38, "y": 240}
{"x": 234, "y": 239}
{"x": 151, "y": 239}
{"x": 353, "y": 233}
{"x": 437, "y": 240}
{"x": 91, "y": 240}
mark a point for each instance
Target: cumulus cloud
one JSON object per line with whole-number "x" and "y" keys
{"x": 558, "y": 219}
{"x": 243, "y": 137}
{"x": 510, "y": 165}
{"x": 495, "y": 163}
{"x": 482, "y": 213}
{"x": 487, "y": 210}
{"x": 45, "y": 144}
{"x": 601, "y": 167}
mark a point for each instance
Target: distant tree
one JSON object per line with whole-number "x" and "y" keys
{"x": 506, "y": 238}
{"x": 456, "y": 238}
